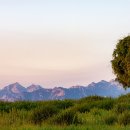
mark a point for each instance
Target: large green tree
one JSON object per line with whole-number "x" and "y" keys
{"x": 121, "y": 61}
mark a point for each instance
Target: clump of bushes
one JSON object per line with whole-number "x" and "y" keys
{"x": 25, "y": 105}
{"x": 83, "y": 108}
{"x": 124, "y": 118}
{"x": 63, "y": 104}
{"x": 106, "y": 104}
{"x": 66, "y": 117}
{"x": 121, "y": 107}
{"x": 124, "y": 98}
{"x": 110, "y": 119}
{"x": 96, "y": 111}
{"x": 91, "y": 99}
{"x": 42, "y": 113}
{"x": 5, "y": 106}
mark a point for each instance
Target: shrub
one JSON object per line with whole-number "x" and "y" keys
{"x": 91, "y": 99}
{"x": 67, "y": 117}
{"x": 96, "y": 111}
{"x": 120, "y": 108}
{"x": 83, "y": 107}
{"x": 106, "y": 104}
{"x": 110, "y": 119}
{"x": 43, "y": 113}
{"x": 26, "y": 105}
{"x": 124, "y": 98}
{"x": 124, "y": 118}
{"x": 5, "y": 106}
{"x": 64, "y": 104}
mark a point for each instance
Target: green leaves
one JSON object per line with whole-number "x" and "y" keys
{"x": 121, "y": 61}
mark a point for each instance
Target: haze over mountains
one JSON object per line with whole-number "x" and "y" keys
{"x": 16, "y": 92}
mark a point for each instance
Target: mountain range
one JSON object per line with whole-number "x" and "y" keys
{"x": 17, "y": 92}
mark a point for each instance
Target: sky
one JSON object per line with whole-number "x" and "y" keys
{"x": 60, "y": 42}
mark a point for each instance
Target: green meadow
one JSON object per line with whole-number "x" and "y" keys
{"x": 90, "y": 113}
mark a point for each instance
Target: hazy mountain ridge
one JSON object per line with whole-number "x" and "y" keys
{"x": 14, "y": 92}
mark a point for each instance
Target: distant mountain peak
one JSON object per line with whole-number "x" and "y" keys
{"x": 15, "y": 91}
{"x": 77, "y": 86}
{"x": 33, "y": 87}
{"x": 91, "y": 84}
{"x": 16, "y": 83}
{"x": 103, "y": 81}
{"x": 58, "y": 92}
{"x": 15, "y": 88}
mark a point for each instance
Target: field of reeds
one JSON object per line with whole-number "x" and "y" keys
{"x": 90, "y": 113}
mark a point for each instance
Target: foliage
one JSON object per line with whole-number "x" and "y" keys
{"x": 63, "y": 104}
{"x": 67, "y": 117}
{"x": 42, "y": 113}
{"x": 121, "y": 107}
{"x": 95, "y": 111}
{"x": 91, "y": 99}
{"x": 106, "y": 104}
{"x": 121, "y": 61}
{"x": 124, "y": 118}
{"x": 110, "y": 119}
{"x": 89, "y": 113}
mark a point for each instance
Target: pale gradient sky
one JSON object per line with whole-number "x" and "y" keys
{"x": 60, "y": 42}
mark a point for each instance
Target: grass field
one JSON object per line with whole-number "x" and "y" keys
{"x": 90, "y": 113}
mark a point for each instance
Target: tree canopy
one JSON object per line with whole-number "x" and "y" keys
{"x": 121, "y": 61}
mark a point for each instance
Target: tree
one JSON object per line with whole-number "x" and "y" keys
{"x": 121, "y": 61}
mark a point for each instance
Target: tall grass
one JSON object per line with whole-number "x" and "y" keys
{"x": 89, "y": 113}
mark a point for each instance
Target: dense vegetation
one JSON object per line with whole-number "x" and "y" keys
{"x": 89, "y": 113}
{"x": 121, "y": 61}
